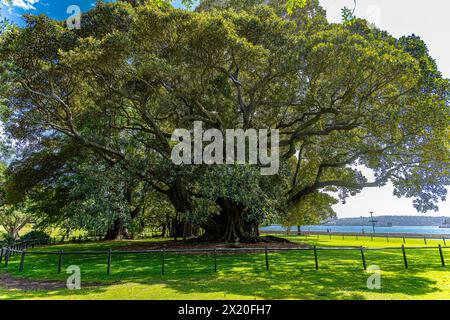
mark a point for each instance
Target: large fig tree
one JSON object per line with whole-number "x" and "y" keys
{"x": 343, "y": 96}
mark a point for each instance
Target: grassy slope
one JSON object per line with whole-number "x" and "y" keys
{"x": 292, "y": 274}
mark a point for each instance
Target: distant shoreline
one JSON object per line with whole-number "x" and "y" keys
{"x": 389, "y": 220}
{"x": 360, "y": 230}
{"x": 375, "y": 235}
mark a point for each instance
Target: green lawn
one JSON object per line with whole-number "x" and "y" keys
{"x": 243, "y": 276}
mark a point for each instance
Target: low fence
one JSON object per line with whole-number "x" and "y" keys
{"x": 358, "y": 236}
{"x": 7, "y": 252}
{"x": 23, "y": 244}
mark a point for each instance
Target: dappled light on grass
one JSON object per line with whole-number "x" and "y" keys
{"x": 176, "y": 263}
{"x": 291, "y": 274}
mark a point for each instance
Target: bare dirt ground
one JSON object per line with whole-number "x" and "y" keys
{"x": 10, "y": 283}
{"x": 191, "y": 244}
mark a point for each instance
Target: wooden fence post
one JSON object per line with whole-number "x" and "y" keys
{"x": 371, "y": 237}
{"x": 108, "y": 270}
{"x": 387, "y": 238}
{"x": 22, "y": 261}
{"x": 425, "y": 240}
{"x": 61, "y": 252}
{"x": 404, "y": 240}
{"x": 363, "y": 258}
{"x": 442, "y": 255}
{"x": 404, "y": 256}
{"x": 315, "y": 258}
{"x": 356, "y": 237}
{"x": 443, "y": 238}
{"x": 267, "y": 258}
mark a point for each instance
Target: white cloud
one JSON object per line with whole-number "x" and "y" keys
{"x": 23, "y": 4}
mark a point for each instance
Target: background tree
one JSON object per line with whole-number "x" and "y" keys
{"x": 12, "y": 218}
{"x": 314, "y": 209}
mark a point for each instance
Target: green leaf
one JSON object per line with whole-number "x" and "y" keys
{"x": 293, "y": 5}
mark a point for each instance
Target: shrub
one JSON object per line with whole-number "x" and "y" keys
{"x": 36, "y": 235}
{"x": 8, "y": 239}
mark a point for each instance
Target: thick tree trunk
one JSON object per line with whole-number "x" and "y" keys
{"x": 126, "y": 234}
{"x": 118, "y": 230}
{"x": 115, "y": 232}
{"x": 13, "y": 232}
{"x": 178, "y": 229}
{"x": 230, "y": 225}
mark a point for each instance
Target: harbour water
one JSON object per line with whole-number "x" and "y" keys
{"x": 364, "y": 229}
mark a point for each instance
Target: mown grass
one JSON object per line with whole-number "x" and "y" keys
{"x": 292, "y": 274}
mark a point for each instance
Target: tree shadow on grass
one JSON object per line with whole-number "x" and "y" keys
{"x": 292, "y": 275}
{"x": 328, "y": 284}
{"x": 322, "y": 285}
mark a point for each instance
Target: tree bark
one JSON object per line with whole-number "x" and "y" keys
{"x": 115, "y": 232}
{"x": 230, "y": 225}
{"x": 118, "y": 230}
{"x": 13, "y": 232}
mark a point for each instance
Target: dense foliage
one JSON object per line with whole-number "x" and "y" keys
{"x": 36, "y": 235}
{"x": 94, "y": 110}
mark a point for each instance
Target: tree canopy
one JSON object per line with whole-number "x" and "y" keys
{"x": 105, "y": 100}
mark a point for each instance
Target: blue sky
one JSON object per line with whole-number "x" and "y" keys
{"x": 54, "y": 8}
{"x": 428, "y": 19}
